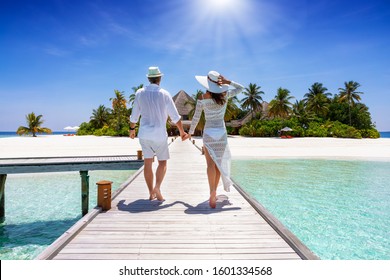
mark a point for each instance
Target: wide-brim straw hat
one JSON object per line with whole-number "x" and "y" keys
{"x": 154, "y": 72}
{"x": 210, "y": 82}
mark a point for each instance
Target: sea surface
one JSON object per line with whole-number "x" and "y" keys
{"x": 40, "y": 207}
{"x": 385, "y": 134}
{"x": 4, "y": 134}
{"x": 339, "y": 209}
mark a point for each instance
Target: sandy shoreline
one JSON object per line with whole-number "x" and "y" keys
{"x": 329, "y": 148}
{"x": 241, "y": 147}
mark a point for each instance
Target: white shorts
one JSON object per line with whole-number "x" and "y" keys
{"x": 151, "y": 148}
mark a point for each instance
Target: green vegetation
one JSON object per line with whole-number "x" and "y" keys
{"x": 317, "y": 115}
{"x": 33, "y": 126}
{"x": 112, "y": 121}
{"x": 252, "y": 99}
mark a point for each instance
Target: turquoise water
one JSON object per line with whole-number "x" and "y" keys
{"x": 40, "y": 207}
{"x": 339, "y": 209}
{"x": 385, "y": 134}
{"x": 6, "y": 134}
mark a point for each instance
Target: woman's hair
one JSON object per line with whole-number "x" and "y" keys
{"x": 218, "y": 98}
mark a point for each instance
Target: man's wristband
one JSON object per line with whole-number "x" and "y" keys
{"x": 132, "y": 128}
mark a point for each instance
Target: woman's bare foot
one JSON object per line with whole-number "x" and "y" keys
{"x": 158, "y": 194}
{"x": 213, "y": 199}
{"x": 152, "y": 196}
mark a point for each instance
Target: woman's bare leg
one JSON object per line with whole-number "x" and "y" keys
{"x": 213, "y": 176}
{"x": 217, "y": 177}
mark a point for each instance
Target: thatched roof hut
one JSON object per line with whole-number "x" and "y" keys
{"x": 180, "y": 100}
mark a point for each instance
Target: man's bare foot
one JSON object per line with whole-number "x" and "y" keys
{"x": 213, "y": 199}
{"x": 158, "y": 194}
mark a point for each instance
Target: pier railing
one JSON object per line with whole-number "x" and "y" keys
{"x": 62, "y": 164}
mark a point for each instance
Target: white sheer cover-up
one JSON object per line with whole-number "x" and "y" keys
{"x": 214, "y": 133}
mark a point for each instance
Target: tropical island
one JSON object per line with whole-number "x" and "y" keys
{"x": 318, "y": 114}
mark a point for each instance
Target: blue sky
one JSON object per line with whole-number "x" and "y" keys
{"x": 62, "y": 59}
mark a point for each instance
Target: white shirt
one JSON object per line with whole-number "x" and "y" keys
{"x": 214, "y": 113}
{"x": 154, "y": 105}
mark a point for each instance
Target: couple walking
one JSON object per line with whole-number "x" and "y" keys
{"x": 154, "y": 105}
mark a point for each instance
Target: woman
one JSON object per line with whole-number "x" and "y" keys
{"x": 217, "y": 152}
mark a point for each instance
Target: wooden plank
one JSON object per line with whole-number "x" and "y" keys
{"x": 270, "y": 256}
{"x": 59, "y": 164}
{"x": 180, "y": 242}
{"x": 181, "y": 227}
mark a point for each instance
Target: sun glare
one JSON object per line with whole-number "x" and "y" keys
{"x": 221, "y": 27}
{"x": 221, "y": 4}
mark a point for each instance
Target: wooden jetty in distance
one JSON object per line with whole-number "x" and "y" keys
{"x": 60, "y": 164}
{"x": 181, "y": 227}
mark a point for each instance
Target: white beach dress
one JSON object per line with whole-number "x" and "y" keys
{"x": 214, "y": 134}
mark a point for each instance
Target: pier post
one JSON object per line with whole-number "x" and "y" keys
{"x": 104, "y": 194}
{"x": 84, "y": 192}
{"x": 3, "y": 177}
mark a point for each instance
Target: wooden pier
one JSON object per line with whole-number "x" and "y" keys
{"x": 60, "y": 164}
{"x": 181, "y": 227}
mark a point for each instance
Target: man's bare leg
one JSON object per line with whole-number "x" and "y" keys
{"x": 160, "y": 174}
{"x": 148, "y": 174}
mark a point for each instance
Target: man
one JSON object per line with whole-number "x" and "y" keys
{"x": 154, "y": 105}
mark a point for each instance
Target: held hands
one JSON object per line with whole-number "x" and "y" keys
{"x": 132, "y": 134}
{"x": 184, "y": 136}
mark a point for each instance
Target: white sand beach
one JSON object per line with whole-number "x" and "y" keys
{"x": 61, "y": 146}
{"x": 241, "y": 147}
{"x": 334, "y": 148}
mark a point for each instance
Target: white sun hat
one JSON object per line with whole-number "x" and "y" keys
{"x": 154, "y": 72}
{"x": 210, "y": 82}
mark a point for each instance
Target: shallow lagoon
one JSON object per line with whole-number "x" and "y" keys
{"x": 40, "y": 207}
{"x": 339, "y": 209}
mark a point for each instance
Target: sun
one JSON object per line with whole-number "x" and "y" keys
{"x": 218, "y": 26}
{"x": 221, "y": 4}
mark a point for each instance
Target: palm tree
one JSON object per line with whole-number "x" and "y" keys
{"x": 100, "y": 116}
{"x": 350, "y": 95}
{"x": 317, "y": 100}
{"x": 300, "y": 112}
{"x": 132, "y": 95}
{"x": 119, "y": 110}
{"x": 119, "y": 101}
{"x": 280, "y": 106}
{"x": 33, "y": 126}
{"x": 232, "y": 110}
{"x": 253, "y": 99}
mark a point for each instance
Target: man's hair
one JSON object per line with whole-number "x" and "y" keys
{"x": 154, "y": 80}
